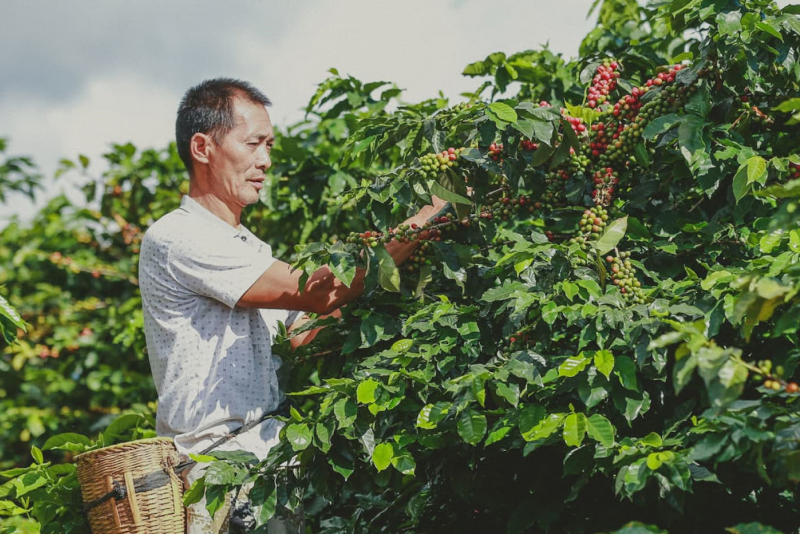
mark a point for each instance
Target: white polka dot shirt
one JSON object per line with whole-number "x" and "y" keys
{"x": 212, "y": 361}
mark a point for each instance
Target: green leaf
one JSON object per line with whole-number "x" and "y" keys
{"x": 573, "y": 365}
{"x": 503, "y": 111}
{"x": 600, "y": 429}
{"x": 448, "y": 195}
{"x": 294, "y": 414}
{"x": 68, "y": 442}
{"x": 641, "y": 155}
{"x": 793, "y": 104}
{"x": 613, "y": 234}
{"x": 756, "y": 170}
{"x": 216, "y": 497}
{"x": 653, "y": 461}
{"x": 660, "y": 125}
{"x": 324, "y": 430}
{"x": 202, "y": 458}
{"x": 530, "y": 417}
{"x": 729, "y": 23}
{"x": 120, "y": 428}
{"x": 766, "y": 27}
{"x": 36, "y": 453}
{"x": 471, "y": 426}
{"x": 509, "y": 392}
{"x": 343, "y": 267}
{"x": 11, "y": 314}
{"x": 346, "y": 412}
{"x": 544, "y": 428}
{"x": 604, "y": 362}
{"x": 740, "y": 184}
{"x": 402, "y": 346}
{"x": 29, "y": 482}
{"x": 430, "y": 415}
{"x": 404, "y": 463}
{"x": 340, "y": 464}
{"x": 388, "y": 274}
{"x": 220, "y": 473}
{"x": 652, "y": 440}
{"x": 366, "y": 391}
{"x": 299, "y": 436}
{"x": 574, "y": 429}
{"x": 625, "y": 370}
{"x": 264, "y": 500}
{"x": 382, "y": 455}
{"x": 570, "y": 290}
{"x": 195, "y": 492}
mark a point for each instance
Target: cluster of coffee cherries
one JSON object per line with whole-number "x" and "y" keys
{"x": 578, "y": 161}
{"x": 628, "y": 106}
{"x": 602, "y": 137}
{"x": 503, "y": 208}
{"x": 670, "y": 98}
{"x": 605, "y": 180}
{"x": 47, "y": 352}
{"x": 623, "y": 277}
{"x": 435, "y": 163}
{"x": 516, "y": 341}
{"x": 406, "y": 233}
{"x": 594, "y": 221}
{"x": 553, "y": 194}
{"x": 604, "y": 81}
{"x": 773, "y": 380}
{"x": 794, "y": 171}
{"x": 496, "y": 152}
{"x": 777, "y": 385}
{"x": 576, "y": 123}
{"x": 420, "y": 257}
{"x": 591, "y": 226}
{"x": 528, "y": 145}
{"x": 665, "y": 76}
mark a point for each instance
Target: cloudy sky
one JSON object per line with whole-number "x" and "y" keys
{"x": 79, "y": 75}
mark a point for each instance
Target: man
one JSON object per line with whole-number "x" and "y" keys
{"x": 213, "y": 294}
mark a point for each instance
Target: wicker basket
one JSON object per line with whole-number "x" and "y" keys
{"x": 155, "y": 508}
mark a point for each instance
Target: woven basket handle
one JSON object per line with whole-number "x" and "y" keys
{"x": 131, "y": 487}
{"x": 112, "y": 503}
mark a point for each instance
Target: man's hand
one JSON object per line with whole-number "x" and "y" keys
{"x": 307, "y": 337}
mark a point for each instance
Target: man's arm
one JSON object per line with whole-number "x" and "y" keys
{"x": 278, "y": 287}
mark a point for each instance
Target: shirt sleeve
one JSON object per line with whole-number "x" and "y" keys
{"x": 222, "y": 270}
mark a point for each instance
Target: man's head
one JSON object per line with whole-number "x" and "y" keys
{"x": 224, "y": 136}
{"x": 208, "y": 108}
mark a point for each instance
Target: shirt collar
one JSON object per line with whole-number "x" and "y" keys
{"x": 191, "y": 206}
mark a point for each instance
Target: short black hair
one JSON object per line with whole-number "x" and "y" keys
{"x": 208, "y": 108}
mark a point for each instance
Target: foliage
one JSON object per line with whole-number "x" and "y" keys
{"x": 602, "y": 328}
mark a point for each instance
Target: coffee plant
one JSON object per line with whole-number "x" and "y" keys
{"x": 600, "y": 328}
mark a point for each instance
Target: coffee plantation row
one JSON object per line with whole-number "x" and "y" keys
{"x": 598, "y": 335}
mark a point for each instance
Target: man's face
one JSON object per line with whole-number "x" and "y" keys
{"x": 238, "y": 162}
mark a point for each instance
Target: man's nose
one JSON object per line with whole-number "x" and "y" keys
{"x": 263, "y": 161}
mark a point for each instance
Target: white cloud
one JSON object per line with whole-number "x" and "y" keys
{"x": 118, "y": 109}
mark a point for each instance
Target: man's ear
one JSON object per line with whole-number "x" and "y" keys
{"x": 200, "y": 147}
